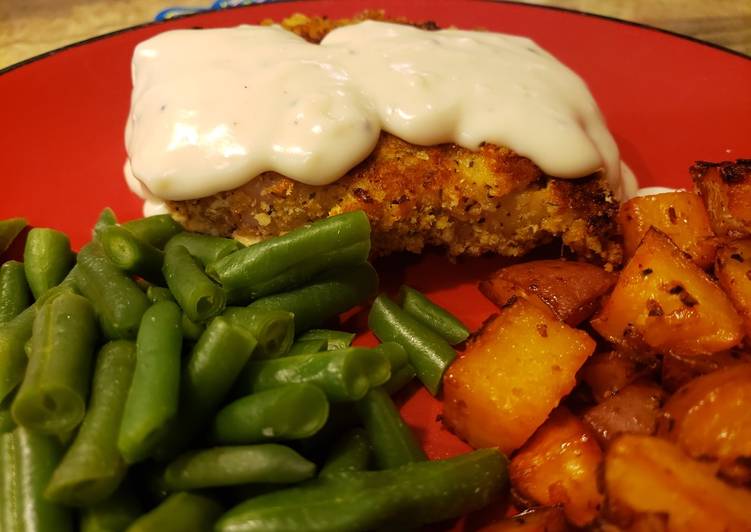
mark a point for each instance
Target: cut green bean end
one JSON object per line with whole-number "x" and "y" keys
{"x": 52, "y": 409}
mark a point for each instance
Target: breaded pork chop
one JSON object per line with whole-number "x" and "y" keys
{"x": 470, "y": 202}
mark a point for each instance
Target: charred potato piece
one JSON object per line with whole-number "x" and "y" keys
{"x": 512, "y": 375}
{"x": 542, "y": 519}
{"x": 726, "y": 190}
{"x": 733, "y": 270}
{"x": 677, "y": 371}
{"x": 559, "y": 465}
{"x": 665, "y": 302}
{"x": 572, "y": 290}
{"x": 710, "y": 417}
{"x": 680, "y": 215}
{"x": 607, "y": 373}
{"x": 649, "y": 475}
{"x": 737, "y": 472}
{"x": 634, "y": 409}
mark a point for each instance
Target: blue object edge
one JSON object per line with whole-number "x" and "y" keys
{"x": 172, "y": 12}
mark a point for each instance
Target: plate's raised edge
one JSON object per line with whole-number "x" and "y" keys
{"x": 641, "y": 25}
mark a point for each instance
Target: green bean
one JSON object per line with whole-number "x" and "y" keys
{"x": 433, "y": 316}
{"x": 343, "y": 375}
{"x": 274, "y": 330}
{"x": 130, "y": 254}
{"x": 7, "y": 424}
{"x": 401, "y": 371}
{"x": 27, "y": 348}
{"x": 9, "y": 230}
{"x": 230, "y": 466}
{"x": 13, "y": 360}
{"x": 9, "y": 511}
{"x": 14, "y": 290}
{"x": 212, "y": 369}
{"x": 28, "y": 459}
{"x": 106, "y": 218}
{"x": 36, "y": 458}
{"x": 191, "y": 330}
{"x": 334, "y": 339}
{"x": 326, "y": 297}
{"x": 65, "y": 438}
{"x": 156, "y": 294}
{"x": 47, "y": 259}
{"x": 283, "y": 262}
{"x": 412, "y": 495}
{"x": 52, "y": 396}
{"x": 399, "y": 379}
{"x": 289, "y": 412}
{"x": 206, "y": 248}
{"x": 181, "y": 512}
{"x": 428, "y": 352}
{"x": 114, "y": 514}
{"x": 393, "y": 442}
{"x": 155, "y": 230}
{"x": 92, "y": 467}
{"x": 216, "y": 361}
{"x": 396, "y": 354}
{"x": 67, "y": 286}
{"x": 14, "y": 339}
{"x": 302, "y": 347}
{"x": 152, "y": 399}
{"x": 199, "y": 296}
{"x": 351, "y": 453}
{"x": 117, "y": 300}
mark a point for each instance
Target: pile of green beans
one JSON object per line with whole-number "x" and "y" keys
{"x": 133, "y": 398}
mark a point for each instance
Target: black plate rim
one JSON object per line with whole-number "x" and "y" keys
{"x": 641, "y": 25}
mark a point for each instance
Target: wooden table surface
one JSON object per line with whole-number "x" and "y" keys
{"x": 30, "y": 27}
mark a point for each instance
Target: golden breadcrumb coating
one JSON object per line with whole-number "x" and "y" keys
{"x": 470, "y": 202}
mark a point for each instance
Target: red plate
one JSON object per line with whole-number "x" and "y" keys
{"x": 669, "y": 101}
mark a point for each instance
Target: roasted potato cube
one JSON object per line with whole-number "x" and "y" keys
{"x": 645, "y": 523}
{"x": 726, "y": 190}
{"x": 680, "y": 215}
{"x": 677, "y": 371}
{"x": 607, "y": 373}
{"x": 512, "y": 375}
{"x": 649, "y": 475}
{"x": 542, "y": 519}
{"x": 634, "y": 409}
{"x": 572, "y": 290}
{"x": 733, "y": 270}
{"x": 710, "y": 417}
{"x": 665, "y": 302}
{"x": 558, "y": 465}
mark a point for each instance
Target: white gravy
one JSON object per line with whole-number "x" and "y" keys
{"x": 211, "y": 109}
